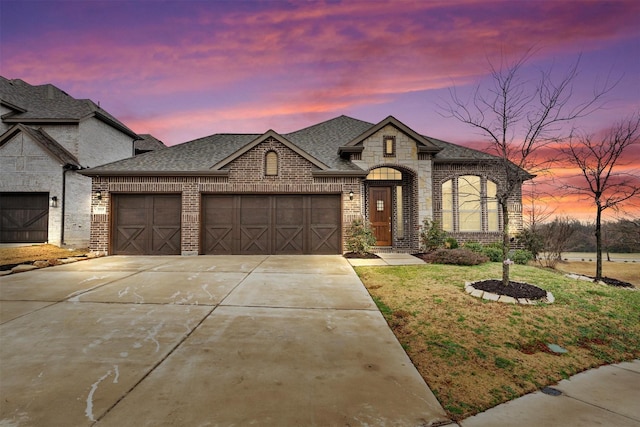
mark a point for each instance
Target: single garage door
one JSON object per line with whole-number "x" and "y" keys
{"x": 271, "y": 224}
{"x": 146, "y": 224}
{"x": 24, "y": 217}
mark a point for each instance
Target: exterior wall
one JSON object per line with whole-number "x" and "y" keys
{"x": 100, "y": 143}
{"x": 77, "y": 209}
{"x": 246, "y": 175}
{"x": 4, "y": 126}
{"x": 418, "y": 197}
{"x": 492, "y": 171}
{"x": 26, "y": 167}
{"x": 65, "y": 135}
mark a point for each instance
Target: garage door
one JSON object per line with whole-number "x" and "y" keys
{"x": 271, "y": 224}
{"x": 146, "y": 224}
{"x": 24, "y": 217}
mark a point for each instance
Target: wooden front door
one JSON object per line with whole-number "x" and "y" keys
{"x": 380, "y": 214}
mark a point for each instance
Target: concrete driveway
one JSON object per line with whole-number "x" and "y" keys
{"x": 202, "y": 341}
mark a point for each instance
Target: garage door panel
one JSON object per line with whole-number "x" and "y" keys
{"x": 146, "y": 224}
{"x": 166, "y": 240}
{"x": 271, "y": 224}
{"x": 218, "y": 235}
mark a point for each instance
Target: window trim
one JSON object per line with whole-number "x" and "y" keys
{"x": 270, "y": 157}
{"x": 385, "y": 140}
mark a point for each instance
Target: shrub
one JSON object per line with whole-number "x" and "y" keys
{"x": 493, "y": 253}
{"x": 460, "y": 256}
{"x": 431, "y": 236}
{"x": 451, "y": 243}
{"x": 521, "y": 256}
{"x": 360, "y": 237}
{"x": 532, "y": 240}
{"x": 473, "y": 246}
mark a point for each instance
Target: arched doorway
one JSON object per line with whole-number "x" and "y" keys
{"x": 389, "y": 206}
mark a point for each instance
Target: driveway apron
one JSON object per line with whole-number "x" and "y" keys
{"x": 207, "y": 340}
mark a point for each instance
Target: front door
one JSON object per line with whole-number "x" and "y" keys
{"x": 380, "y": 214}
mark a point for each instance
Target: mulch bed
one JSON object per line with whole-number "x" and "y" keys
{"x": 615, "y": 282}
{"x": 514, "y": 290}
{"x": 360, "y": 256}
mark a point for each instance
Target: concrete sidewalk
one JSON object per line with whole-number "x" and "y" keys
{"x": 606, "y": 396}
{"x": 223, "y": 340}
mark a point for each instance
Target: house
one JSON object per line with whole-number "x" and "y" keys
{"x": 46, "y": 137}
{"x": 296, "y": 193}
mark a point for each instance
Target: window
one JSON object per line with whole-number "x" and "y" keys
{"x": 388, "y": 174}
{"x": 389, "y": 146}
{"x": 271, "y": 164}
{"x": 469, "y": 204}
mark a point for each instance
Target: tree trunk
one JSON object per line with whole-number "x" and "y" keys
{"x": 598, "y": 242}
{"x": 505, "y": 243}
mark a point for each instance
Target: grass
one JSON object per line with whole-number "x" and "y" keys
{"x": 476, "y": 354}
{"x": 20, "y": 254}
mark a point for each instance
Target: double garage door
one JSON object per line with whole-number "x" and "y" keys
{"x": 231, "y": 224}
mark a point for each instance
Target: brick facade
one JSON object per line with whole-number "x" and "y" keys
{"x": 246, "y": 176}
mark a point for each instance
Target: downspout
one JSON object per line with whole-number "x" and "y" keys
{"x": 66, "y": 168}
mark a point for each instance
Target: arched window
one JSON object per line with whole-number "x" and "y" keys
{"x": 469, "y": 204}
{"x": 271, "y": 164}
{"x": 387, "y": 174}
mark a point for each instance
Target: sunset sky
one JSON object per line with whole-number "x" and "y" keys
{"x": 185, "y": 69}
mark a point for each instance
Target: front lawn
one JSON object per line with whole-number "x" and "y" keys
{"x": 475, "y": 354}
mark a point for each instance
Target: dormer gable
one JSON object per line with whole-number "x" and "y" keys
{"x": 270, "y": 134}
{"x": 356, "y": 145}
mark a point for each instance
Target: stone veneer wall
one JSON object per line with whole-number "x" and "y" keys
{"x": 417, "y": 180}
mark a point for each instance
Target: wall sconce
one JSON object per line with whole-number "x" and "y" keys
{"x": 54, "y": 202}
{"x": 99, "y": 195}
{"x": 350, "y": 195}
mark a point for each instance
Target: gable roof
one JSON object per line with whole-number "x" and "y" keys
{"x": 48, "y": 104}
{"x": 424, "y": 144}
{"x": 320, "y": 144}
{"x": 269, "y": 134}
{"x": 43, "y": 139}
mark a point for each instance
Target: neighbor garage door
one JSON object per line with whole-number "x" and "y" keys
{"x": 24, "y": 217}
{"x": 146, "y": 224}
{"x": 271, "y": 224}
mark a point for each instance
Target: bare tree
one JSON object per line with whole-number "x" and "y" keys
{"x": 520, "y": 117}
{"x": 599, "y": 160}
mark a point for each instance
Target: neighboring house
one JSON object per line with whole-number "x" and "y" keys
{"x": 296, "y": 193}
{"x": 46, "y": 137}
{"x": 147, "y": 143}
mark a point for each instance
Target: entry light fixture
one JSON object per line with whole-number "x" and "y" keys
{"x": 54, "y": 202}
{"x": 99, "y": 195}
{"x": 350, "y": 195}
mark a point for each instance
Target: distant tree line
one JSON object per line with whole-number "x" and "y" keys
{"x": 564, "y": 234}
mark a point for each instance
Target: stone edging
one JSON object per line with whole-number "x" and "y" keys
{"x": 478, "y": 293}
